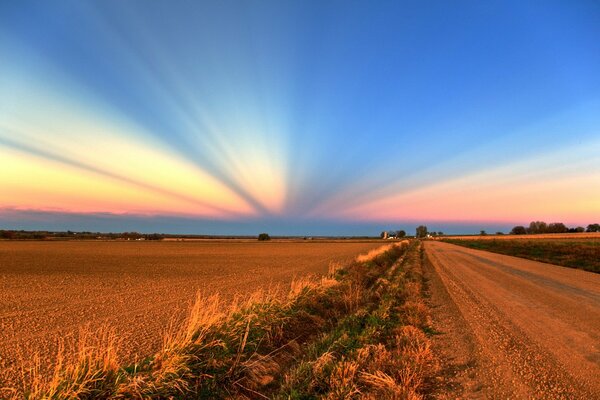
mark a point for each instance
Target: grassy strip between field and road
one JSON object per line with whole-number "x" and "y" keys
{"x": 580, "y": 254}
{"x": 360, "y": 332}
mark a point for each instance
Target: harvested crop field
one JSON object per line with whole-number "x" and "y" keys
{"x": 51, "y": 290}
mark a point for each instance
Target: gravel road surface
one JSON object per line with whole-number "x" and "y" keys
{"x": 513, "y": 328}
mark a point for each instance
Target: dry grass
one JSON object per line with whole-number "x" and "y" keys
{"x": 378, "y": 251}
{"x": 90, "y": 371}
{"x": 377, "y": 351}
{"x": 52, "y": 290}
{"x": 355, "y": 333}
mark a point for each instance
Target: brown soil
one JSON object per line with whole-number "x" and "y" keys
{"x": 513, "y": 328}
{"x": 51, "y": 290}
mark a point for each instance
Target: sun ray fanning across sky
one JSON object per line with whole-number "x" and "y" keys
{"x": 326, "y": 117}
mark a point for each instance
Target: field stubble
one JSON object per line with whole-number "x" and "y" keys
{"x": 359, "y": 330}
{"x": 65, "y": 290}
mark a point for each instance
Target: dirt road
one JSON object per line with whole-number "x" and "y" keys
{"x": 513, "y": 328}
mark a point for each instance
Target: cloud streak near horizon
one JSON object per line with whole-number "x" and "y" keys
{"x": 281, "y": 111}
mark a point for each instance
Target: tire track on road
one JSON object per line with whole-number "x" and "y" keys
{"x": 503, "y": 312}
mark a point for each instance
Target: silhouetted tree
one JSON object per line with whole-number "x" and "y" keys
{"x": 131, "y": 235}
{"x": 556, "y": 227}
{"x": 7, "y": 234}
{"x": 264, "y": 236}
{"x": 518, "y": 230}
{"x": 421, "y": 231}
{"x": 537, "y": 227}
{"x": 483, "y": 233}
{"x": 400, "y": 234}
{"x": 593, "y": 228}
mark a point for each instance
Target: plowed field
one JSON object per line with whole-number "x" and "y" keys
{"x": 52, "y": 290}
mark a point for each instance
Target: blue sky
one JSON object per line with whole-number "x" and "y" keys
{"x": 298, "y": 117}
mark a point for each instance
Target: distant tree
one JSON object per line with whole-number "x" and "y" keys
{"x": 518, "y": 230}
{"x": 421, "y": 231}
{"x": 579, "y": 229}
{"x": 131, "y": 235}
{"x": 556, "y": 227}
{"x": 536, "y": 227}
{"x": 440, "y": 233}
{"x": 499, "y": 233}
{"x": 483, "y": 233}
{"x": 383, "y": 234}
{"x": 7, "y": 235}
{"x": 593, "y": 228}
{"x": 400, "y": 234}
{"x": 154, "y": 236}
{"x": 264, "y": 236}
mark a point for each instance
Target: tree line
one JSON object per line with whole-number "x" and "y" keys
{"x": 537, "y": 227}
{"x": 393, "y": 234}
{"x": 38, "y": 235}
{"x": 421, "y": 232}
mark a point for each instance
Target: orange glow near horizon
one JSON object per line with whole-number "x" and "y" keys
{"x": 530, "y": 190}
{"x": 50, "y": 186}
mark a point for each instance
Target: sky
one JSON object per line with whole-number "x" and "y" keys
{"x": 298, "y": 117}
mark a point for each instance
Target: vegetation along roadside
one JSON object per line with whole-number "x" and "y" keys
{"x": 359, "y": 332}
{"x": 580, "y": 254}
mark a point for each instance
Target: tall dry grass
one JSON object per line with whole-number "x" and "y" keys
{"x": 90, "y": 371}
{"x": 378, "y": 251}
{"x": 377, "y": 351}
{"x": 355, "y": 332}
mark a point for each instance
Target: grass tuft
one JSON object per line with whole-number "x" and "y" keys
{"x": 357, "y": 332}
